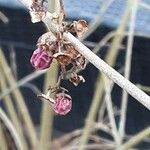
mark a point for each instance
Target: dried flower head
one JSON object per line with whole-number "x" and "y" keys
{"x": 48, "y": 41}
{"x": 37, "y": 11}
{"x": 40, "y": 59}
{"x": 62, "y": 104}
{"x": 80, "y": 27}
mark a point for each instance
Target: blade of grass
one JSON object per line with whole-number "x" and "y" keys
{"x": 21, "y": 106}
{"x": 11, "y": 111}
{"x": 135, "y": 140}
{"x": 110, "y": 111}
{"x": 50, "y": 79}
{"x": 47, "y": 114}
{"x": 3, "y": 143}
{"x": 128, "y": 59}
{"x": 11, "y": 129}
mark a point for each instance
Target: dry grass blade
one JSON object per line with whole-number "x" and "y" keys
{"x": 3, "y": 143}
{"x": 135, "y": 140}
{"x": 134, "y": 5}
{"x": 11, "y": 128}
{"x": 11, "y": 111}
{"x": 47, "y": 114}
{"x": 21, "y": 106}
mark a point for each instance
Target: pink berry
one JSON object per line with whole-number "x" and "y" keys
{"x": 40, "y": 59}
{"x": 62, "y": 104}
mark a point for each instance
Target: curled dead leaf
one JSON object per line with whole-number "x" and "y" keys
{"x": 76, "y": 79}
{"x": 62, "y": 58}
{"x": 69, "y": 49}
{"x": 80, "y": 62}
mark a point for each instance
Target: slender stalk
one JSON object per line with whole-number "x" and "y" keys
{"x": 3, "y": 143}
{"x": 128, "y": 60}
{"x": 47, "y": 115}
{"x": 135, "y": 140}
{"x": 110, "y": 111}
{"x": 101, "y": 112}
{"x": 19, "y": 100}
{"x": 96, "y": 103}
{"x": 11, "y": 128}
{"x": 50, "y": 79}
{"x": 11, "y": 111}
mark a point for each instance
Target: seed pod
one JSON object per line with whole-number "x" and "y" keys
{"x": 40, "y": 59}
{"x": 62, "y": 104}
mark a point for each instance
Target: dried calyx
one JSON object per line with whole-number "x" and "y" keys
{"x": 52, "y": 46}
{"x": 61, "y": 103}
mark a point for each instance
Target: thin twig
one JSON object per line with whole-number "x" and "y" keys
{"x": 139, "y": 95}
